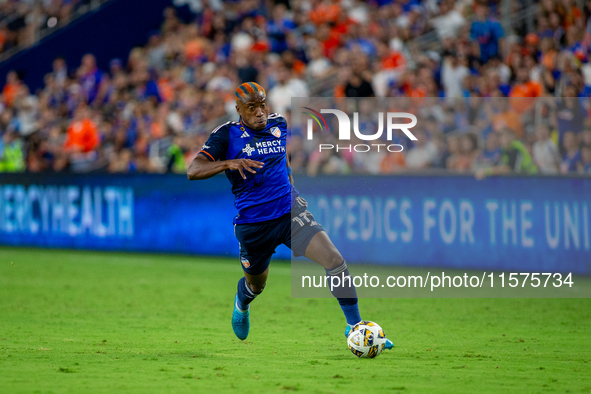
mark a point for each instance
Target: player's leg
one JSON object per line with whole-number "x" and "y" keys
{"x": 308, "y": 238}
{"x": 322, "y": 251}
{"x": 256, "y": 249}
{"x": 249, "y": 287}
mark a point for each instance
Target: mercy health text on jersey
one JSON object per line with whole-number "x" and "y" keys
{"x": 268, "y": 194}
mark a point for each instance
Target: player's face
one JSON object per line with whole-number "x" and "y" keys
{"x": 254, "y": 111}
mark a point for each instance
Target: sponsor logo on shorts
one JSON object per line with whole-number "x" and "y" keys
{"x": 245, "y": 262}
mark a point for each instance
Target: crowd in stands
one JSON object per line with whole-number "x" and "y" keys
{"x": 491, "y": 101}
{"x": 21, "y": 20}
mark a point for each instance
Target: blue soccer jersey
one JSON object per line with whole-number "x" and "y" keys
{"x": 267, "y": 194}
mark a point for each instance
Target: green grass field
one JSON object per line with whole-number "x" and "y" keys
{"x": 84, "y": 322}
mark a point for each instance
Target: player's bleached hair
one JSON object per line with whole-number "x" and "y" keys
{"x": 244, "y": 91}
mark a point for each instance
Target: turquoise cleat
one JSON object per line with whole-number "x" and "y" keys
{"x": 240, "y": 321}
{"x": 348, "y": 330}
{"x": 389, "y": 344}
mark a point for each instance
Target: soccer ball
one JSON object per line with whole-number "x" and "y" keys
{"x": 366, "y": 340}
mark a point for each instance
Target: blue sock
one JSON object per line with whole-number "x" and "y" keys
{"x": 344, "y": 291}
{"x": 245, "y": 295}
{"x": 351, "y": 312}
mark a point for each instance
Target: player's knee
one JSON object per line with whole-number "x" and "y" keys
{"x": 334, "y": 259}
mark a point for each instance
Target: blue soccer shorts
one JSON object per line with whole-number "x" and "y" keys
{"x": 258, "y": 240}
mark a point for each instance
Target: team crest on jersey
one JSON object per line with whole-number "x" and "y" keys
{"x": 275, "y": 132}
{"x": 245, "y": 262}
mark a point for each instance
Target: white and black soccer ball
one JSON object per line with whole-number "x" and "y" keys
{"x": 366, "y": 339}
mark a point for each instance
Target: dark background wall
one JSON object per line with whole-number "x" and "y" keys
{"x": 109, "y": 32}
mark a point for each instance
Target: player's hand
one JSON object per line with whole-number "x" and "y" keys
{"x": 244, "y": 164}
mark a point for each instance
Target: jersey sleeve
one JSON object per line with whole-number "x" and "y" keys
{"x": 216, "y": 146}
{"x": 279, "y": 121}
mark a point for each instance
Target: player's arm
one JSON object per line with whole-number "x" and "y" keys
{"x": 211, "y": 159}
{"x": 203, "y": 168}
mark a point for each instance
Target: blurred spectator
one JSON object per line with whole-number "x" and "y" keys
{"x": 176, "y": 157}
{"x": 464, "y": 160}
{"x": 11, "y": 88}
{"x": 82, "y": 135}
{"x": 491, "y": 154}
{"x": 358, "y": 86}
{"x": 507, "y": 117}
{"x": 123, "y": 162}
{"x": 514, "y": 158}
{"x": 326, "y": 162}
{"x": 155, "y": 52}
{"x": 318, "y": 66}
{"x": 571, "y": 160}
{"x": 90, "y": 77}
{"x": 298, "y": 157}
{"x": 487, "y": 32}
{"x": 453, "y": 72}
{"x": 422, "y": 154}
{"x": 278, "y": 27}
{"x": 585, "y": 137}
{"x": 443, "y": 153}
{"x": 392, "y": 163}
{"x": 11, "y": 153}
{"x": 60, "y": 72}
{"x": 545, "y": 152}
{"x": 450, "y": 19}
{"x": 523, "y": 93}
{"x": 585, "y": 166}
{"x": 569, "y": 114}
{"x": 287, "y": 87}
{"x": 245, "y": 70}
{"x": 453, "y": 149}
{"x": 26, "y": 106}
{"x": 367, "y": 162}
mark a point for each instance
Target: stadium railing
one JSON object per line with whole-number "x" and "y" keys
{"x": 94, "y": 5}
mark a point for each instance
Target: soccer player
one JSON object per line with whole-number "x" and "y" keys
{"x": 270, "y": 213}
